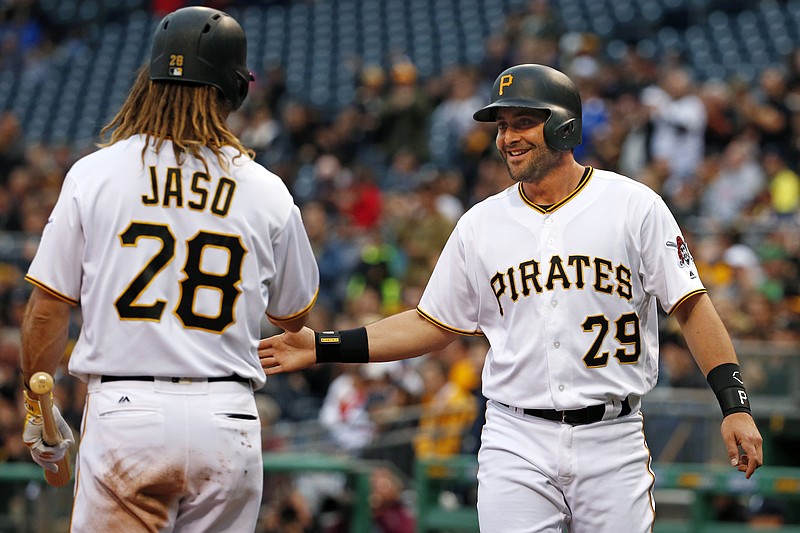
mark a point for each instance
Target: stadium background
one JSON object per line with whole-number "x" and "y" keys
{"x": 364, "y": 108}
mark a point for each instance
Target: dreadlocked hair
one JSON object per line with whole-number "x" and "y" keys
{"x": 191, "y": 116}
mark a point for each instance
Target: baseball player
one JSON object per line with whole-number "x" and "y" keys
{"x": 562, "y": 272}
{"x": 175, "y": 243}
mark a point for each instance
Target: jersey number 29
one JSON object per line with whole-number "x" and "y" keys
{"x": 627, "y": 334}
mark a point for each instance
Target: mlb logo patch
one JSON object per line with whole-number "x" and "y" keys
{"x": 175, "y": 71}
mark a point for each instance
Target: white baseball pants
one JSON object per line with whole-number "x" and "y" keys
{"x": 168, "y": 457}
{"x": 537, "y": 476}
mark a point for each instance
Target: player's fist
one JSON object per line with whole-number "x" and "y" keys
{"x": 33, "y": 436}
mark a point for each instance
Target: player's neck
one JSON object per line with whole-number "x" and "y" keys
{"x": 555, "y": 186}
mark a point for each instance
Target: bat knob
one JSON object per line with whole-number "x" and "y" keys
{"x": 41, "y": 383}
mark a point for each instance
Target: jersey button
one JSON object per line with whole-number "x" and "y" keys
{"x": 561, "y": 388}
{"x": 554, "y": 303}
{"x": 557, "y": 345}
{"x": 550, "y": 240}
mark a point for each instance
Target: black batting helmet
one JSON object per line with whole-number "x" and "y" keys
{"x": 205, "y": 46}
{"x": 539, "y": 87}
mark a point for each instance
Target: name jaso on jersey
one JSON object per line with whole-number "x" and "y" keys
{"x": 169, "y": 193}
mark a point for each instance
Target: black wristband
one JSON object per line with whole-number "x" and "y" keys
{"x": 346, "y": 346}
{"x": 726, "y": 382}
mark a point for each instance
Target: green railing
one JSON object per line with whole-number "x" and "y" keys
{"x": 29, "y": 476}
{"x": 702, "y": 482}
{"x": 458, "y": 475}
{"x": 289, "y": 463}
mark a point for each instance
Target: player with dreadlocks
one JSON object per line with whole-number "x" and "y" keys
{"x": 174, "y": 243}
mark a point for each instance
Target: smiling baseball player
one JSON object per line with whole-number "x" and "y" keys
{"x": 175, "y": 243}
{"x": 563, "y": 273}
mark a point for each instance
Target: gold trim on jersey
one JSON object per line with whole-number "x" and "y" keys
{"x": 444, "y": 326}
{"x": 649, "y": 466}
{"x": 686, "y": 297}
{"x": 305, "y": 310}
{"x": 50, "y": 291}
{"x": 587, "y": 174}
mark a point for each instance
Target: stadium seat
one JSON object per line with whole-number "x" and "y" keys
{"x": 324, "y": 40}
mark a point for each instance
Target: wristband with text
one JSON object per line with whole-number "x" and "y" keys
{"x": 346, "y": 346}
{"x": 726, "y": 382}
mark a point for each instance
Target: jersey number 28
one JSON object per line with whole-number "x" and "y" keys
{"x": 226, "y": 283}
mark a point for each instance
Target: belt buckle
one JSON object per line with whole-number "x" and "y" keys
{"x": 183, "y": 381}
{"x": 563, "y": 417}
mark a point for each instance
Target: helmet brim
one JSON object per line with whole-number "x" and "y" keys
{"x": 489, "y": 113}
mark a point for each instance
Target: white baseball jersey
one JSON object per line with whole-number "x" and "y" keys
{"x": 565, "y": 296}
{"x": 174, "y": 265}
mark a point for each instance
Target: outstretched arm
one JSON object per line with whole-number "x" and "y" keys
{"x": 400, "y": 336}
{"x": 711, "y": 347}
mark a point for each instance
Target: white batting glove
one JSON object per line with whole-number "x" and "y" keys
{"x": 33, "y": 436}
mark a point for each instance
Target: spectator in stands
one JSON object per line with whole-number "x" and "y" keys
{"x": 360, "y": 200}
{"x": 451, "y": 121}
{"x": 12, "y": 147}
{"x": 374, "y": 288}
{"x": 390, "y": 514}
{"x": 320, "y": 179}
{"x": 478, "y": 348}
{"x": 541, "y": 20}
{"x": 344, "y": 412}
{"x": 261, "y": 130}
{"x": 724, "y": 120}
{"x": 595, "y": 118}
{"x": 404, "y": 173}
{"x": 768, "y": 113}
{"x": 738, "y": 183}
{"x": 678, "y": 119}
{"x": 290, "y": 514}
{"x": 678, "y": 365}
{"x": 336, "y": 256}
{"x": 406, "y": 111}
{"x": 496, "y": 58}
{"x": 12, "y": 448}
{"x": 743, "y": 263}
{"x": 448, "y": 410}
{"x": 784, "y": 185}
{"x": 423, "y": 234}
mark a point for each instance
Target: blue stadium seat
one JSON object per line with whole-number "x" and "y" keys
{"x": 324, "y": 40}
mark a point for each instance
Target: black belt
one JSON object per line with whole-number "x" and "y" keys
{"x": 107, "y": 379}
{"x": 576, "y": 417}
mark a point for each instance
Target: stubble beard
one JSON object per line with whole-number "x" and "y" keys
{"x": 541, "y": 162}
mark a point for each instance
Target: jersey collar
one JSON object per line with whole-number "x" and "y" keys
{"x": 587, "y": 174}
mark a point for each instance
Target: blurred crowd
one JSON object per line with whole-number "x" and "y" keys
{"x": 382, "y": 181}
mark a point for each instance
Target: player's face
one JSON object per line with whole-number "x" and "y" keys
{"x": 520, "y": 141}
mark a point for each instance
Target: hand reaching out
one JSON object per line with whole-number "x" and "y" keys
{"x": 287, "y": 352}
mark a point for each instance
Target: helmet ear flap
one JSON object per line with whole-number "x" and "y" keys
{"x": 244, "y": 86}
{"x": 566, "y": 129}
{"x": 560, "y": 134}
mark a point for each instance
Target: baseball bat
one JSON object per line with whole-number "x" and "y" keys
{"x": 42, "y": 384}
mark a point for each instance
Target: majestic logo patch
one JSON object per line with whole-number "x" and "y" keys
{"x": 685, "y": 259}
